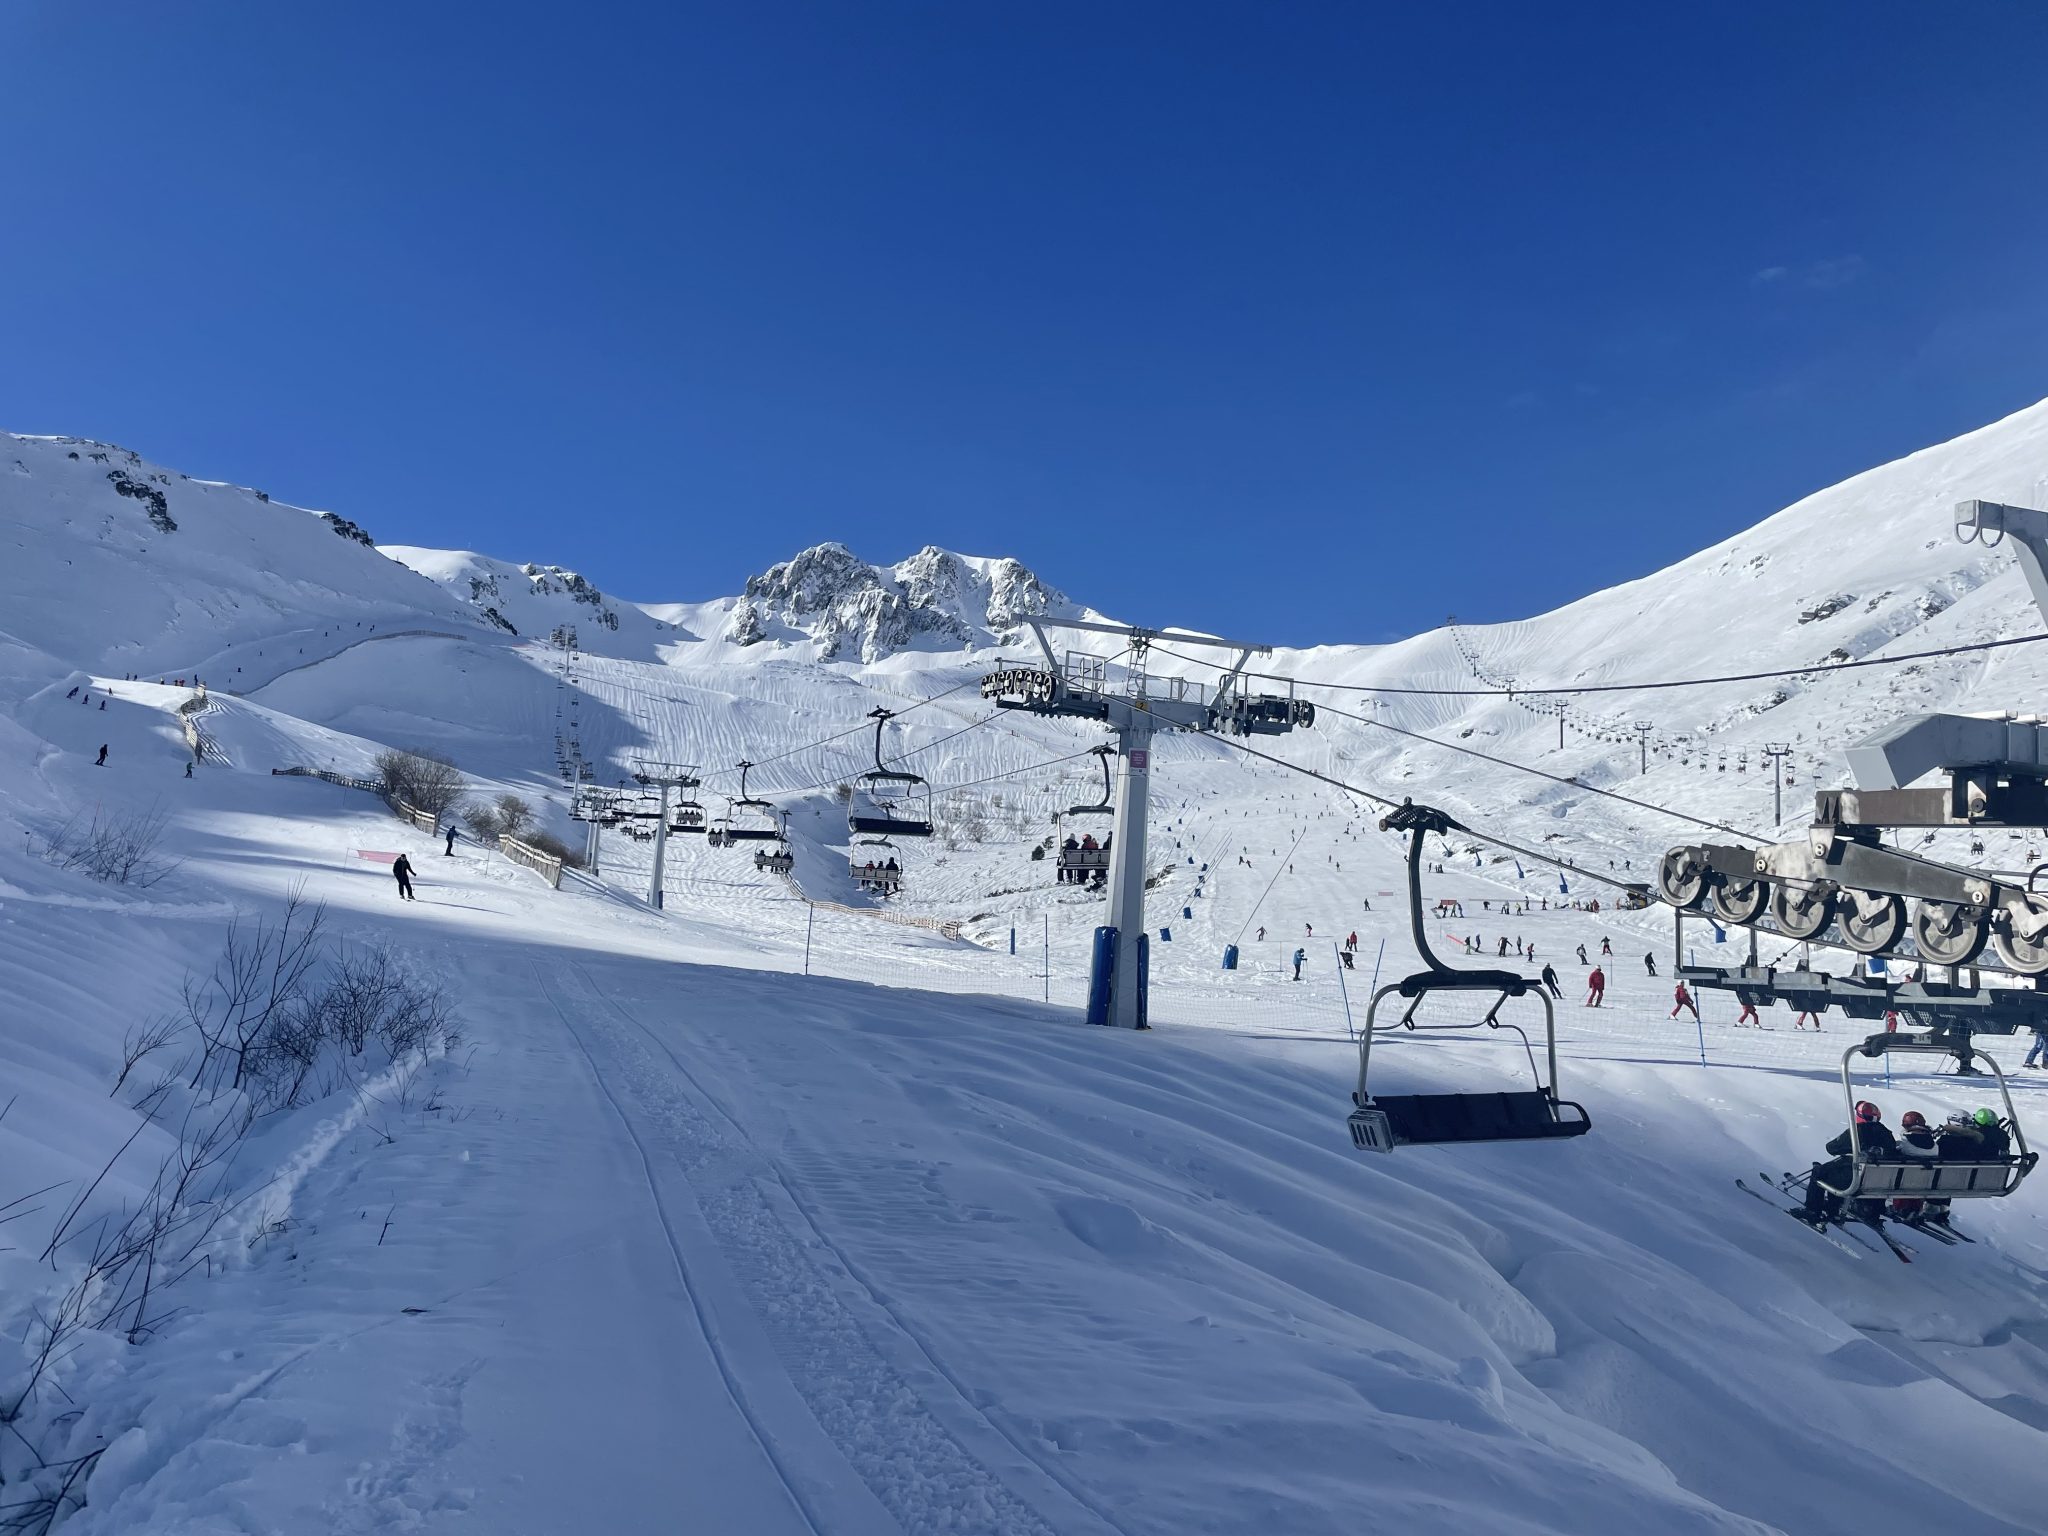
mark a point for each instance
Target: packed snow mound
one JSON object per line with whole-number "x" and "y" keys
{"x": 934, "y": 600}
{"x": 115, "y": 564}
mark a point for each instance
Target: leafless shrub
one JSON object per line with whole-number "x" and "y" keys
{"x": 553, "y": 846}
{"x": 140, "y": 1041}
{"x": 421, "y": 778}
{"x": 119, "y": 847}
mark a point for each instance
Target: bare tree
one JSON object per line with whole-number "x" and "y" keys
{"x": 421, "y": 778}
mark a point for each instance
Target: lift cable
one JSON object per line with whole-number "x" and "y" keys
{"x": 1590, "y": 789}
{"x": 1642, "y": 687}
{"x": 1492, "y": 839}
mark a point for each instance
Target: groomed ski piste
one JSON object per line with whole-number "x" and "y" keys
{"x": 750, "y": 1214}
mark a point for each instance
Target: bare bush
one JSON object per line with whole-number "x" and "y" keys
{"x": 423, "y": 779}
{"x": 553, "y": 846}
{"x": 119, "y": 847}
{"x": 507, "y": 816}
{"x": 143, "y": 1040}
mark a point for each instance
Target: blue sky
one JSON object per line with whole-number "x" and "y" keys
{"x": 1308, "y": 322}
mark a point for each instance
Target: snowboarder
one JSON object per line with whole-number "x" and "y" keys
{"x": 1300, "y": 959}
{"x": 1878, "y": 1144}
{"x": 1582, "y": 954}
{"x": 101, "y": 760}
{"x": 1683, "y": 1002}
{"x": 1261, "y": 935}
{"x": 1650, "y": 961}
{"x": 1550, "y": 981}
{"x": 449, "y": 851}
{"x": 402, "y": 871}
{"x": 1597, "y": 988}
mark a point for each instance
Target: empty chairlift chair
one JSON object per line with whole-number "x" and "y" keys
{"x": 886, "y": 802}
{"x": 747, "y": 818}
{"x": 1383, "y": 1122}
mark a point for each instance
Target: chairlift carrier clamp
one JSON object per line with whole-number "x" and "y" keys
{"x": 1421, "y": 1119}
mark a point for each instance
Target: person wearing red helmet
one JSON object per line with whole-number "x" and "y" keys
{"x": 1916, "y": 1145}
{"x": 1871, "y": 1137}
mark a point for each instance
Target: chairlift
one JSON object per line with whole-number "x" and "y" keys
{"x": 897, "y": 804}
{"x": 1079, "y": 865}
{"x": 877, "y": 876}
{"x": 747, "y": 818}
{"x": 1380, "y": 1124}
{"x": 1988, "y": 1179}
{"x": 780, "y": 859}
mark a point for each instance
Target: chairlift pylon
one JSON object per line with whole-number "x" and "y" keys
{"x": 899, "y": 804}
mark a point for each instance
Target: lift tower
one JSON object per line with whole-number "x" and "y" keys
{"x": 664, "y": 777}
{"x": 1136, "y": 705}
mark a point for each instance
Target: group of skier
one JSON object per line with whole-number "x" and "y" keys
{"x": 1978, "y": 1136}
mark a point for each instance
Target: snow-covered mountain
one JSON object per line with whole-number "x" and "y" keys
{"x": 747, "y": 1172}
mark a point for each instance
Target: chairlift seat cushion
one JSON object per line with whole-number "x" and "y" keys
{"x": 1428, "y": 1118}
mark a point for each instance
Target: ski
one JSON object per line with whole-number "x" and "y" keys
{"x": 1899, "y": 1250}
{"x": 1793, "y": 1189}
{"x": 1799, "y": 1216}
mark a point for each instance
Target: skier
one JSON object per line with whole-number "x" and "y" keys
{"x": 1582, "y": 954}
{"x": 1597, "y": 988}
{"x": 1300, "y": 958}
{"x": 1799, "y": 1020}
{"x": 101, "y": 760}
{"x": 1606, "y": 948}
{"x": 1550, "y": 982}
{"x": 1916, "y": 1145}
{"x": 2037, "y": 1053}
{"x": 1685, "y": 1002}
{"x": 402, "y": 871}
{"x": 1748, "y": 1015}
{"x": 1311, "y": 929}
{"x": 1878, "y": 1144}
{"x": 1650, "y": 961}
{"x": 1352, "y": 942}
{"x": 448, "y": 852}
{"x": 1261, "y": 936}
{"x": 73, "y": 693}
{"x": 1503, "y": 948}
{"x": 103, "y": 703}
{"x": 188, "y": 767}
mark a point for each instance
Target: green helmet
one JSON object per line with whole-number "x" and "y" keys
{"x": 1985, "y": 1117}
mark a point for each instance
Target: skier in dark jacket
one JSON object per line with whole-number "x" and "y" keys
{"x": 1877, "y": 1143}
{"x": 101, "y": 760}
{"x": 1550, "y": 982}
{"x": 449, "y": 851}
{"x": 1650, "y": 961}
{"x": 402, "y": 871}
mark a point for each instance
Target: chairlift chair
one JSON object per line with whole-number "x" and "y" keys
{"x": 780, "y": 859}
{"x": 1382, "y": 1123}
{"x": 1870, "y": 1179}
{"x": 898, "y": 804}
{"x": 748, "y": 818}
{"x": 1078, "y": 865}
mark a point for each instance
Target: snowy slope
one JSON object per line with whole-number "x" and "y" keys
{"x": 746, "y": 1216}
